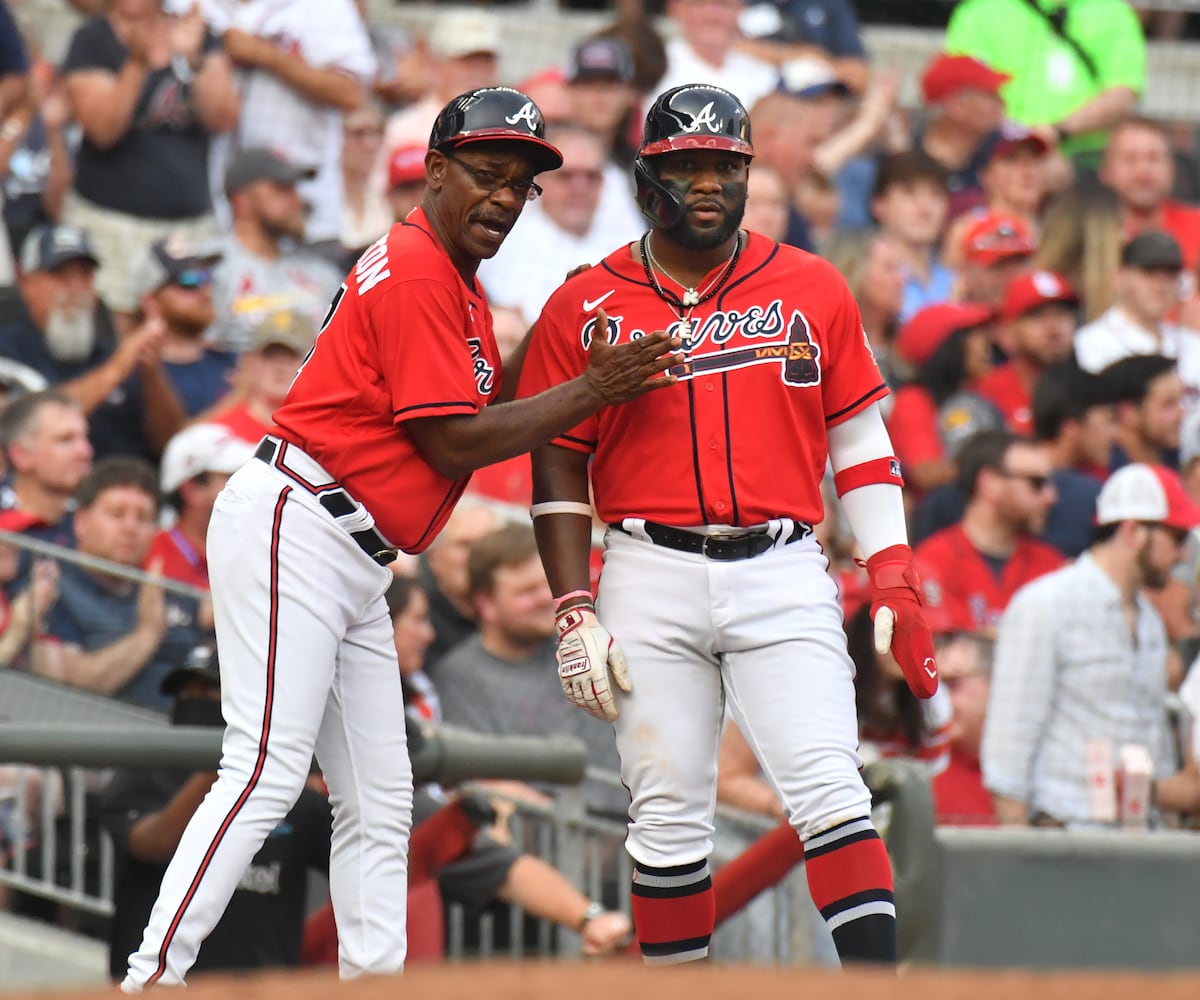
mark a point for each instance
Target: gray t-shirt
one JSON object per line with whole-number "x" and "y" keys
{"x": 482, "y": 692}
{"x": 248, "y": 288}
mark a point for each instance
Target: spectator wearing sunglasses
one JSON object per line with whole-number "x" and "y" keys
{"x": 971, "y": 569}
{"x": 65, "y": 333}
{"x": 174, "y": 284}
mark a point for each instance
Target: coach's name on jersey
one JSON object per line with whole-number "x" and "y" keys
{"x": 372, "y": 266}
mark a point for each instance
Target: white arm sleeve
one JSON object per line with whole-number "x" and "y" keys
{"x": 875, "y": 511}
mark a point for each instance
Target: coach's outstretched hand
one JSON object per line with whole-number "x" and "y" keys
{"x": 625, "y": 371}
{"x": 900, "y": 626}
{"x": 589, "y": 661}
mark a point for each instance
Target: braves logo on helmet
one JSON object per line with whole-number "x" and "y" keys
{"x": 528, "y": 114}
{"x": 704, "y": 118}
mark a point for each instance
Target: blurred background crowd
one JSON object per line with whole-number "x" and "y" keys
{"x": 184, "y": 184}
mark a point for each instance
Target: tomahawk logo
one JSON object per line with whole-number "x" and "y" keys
{"x": 528, "y": 114}
{"x": 702, "y": 118}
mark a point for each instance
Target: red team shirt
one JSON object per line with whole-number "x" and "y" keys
{"x": 405, "y": 338}
{"x": 776, "y": 357}
{"x": 960, "y": 581}
{"x": 180, "y": 559}
{"x": 1004, "y": 388}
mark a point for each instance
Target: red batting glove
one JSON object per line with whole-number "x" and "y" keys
{"x": 900, "y": 625}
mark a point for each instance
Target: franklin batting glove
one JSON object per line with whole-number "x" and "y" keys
{"x": 587, "y": 657}
{"x": 900, "y": 626}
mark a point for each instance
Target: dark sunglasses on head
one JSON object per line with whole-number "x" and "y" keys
{"x": 193, "y": 277}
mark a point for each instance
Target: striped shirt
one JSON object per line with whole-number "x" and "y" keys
{"x": 1068, "y": 671}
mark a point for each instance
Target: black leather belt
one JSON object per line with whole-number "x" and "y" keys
{"x": 334, "y": 499}
{"x": 718, "y": 547}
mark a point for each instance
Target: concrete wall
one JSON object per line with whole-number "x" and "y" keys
{"x": 1048, "y": 898}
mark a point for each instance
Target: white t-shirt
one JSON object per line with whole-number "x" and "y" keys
{"x": 745, "y": 77}
{"x": 328, "y": 34}
{"x": 537, "y": 254}
{"x": 1114, "y": 335}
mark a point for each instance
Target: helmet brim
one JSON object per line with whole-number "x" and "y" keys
{"x": 677, "y": 143}
{"x": 546, "y": 156}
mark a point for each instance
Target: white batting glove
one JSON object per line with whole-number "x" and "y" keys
{"x": 587, "y": 656}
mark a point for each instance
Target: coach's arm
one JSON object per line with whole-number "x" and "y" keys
{"x": 458, "y": 445}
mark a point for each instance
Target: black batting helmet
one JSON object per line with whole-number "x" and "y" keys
{"x": 694, "y": 116}
{"x": 495, "y": 114}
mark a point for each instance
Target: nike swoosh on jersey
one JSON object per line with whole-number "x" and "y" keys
{"x": 590, "y": 304}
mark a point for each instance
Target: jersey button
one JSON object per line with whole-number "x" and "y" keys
{"x": 712, "y": 444}
{"x": 709, "y": 386}
{"x": 719, "y": 505}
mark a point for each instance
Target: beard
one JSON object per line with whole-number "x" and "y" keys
{"x": 70, "y": 332}
{"x": 691, "y": 238}
{"x": 1153, "y": 577}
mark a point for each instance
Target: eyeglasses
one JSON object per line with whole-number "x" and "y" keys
{"x": 489, "y": 181}
{"x": 1036, "y": 483}
{"x": 192, "y": 278}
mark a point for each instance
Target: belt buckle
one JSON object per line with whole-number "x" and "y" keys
{"x": 385, "y": 557}
{"x": 719, "y": 554}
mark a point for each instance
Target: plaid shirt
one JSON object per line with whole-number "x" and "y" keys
{"x": 1068, "y": 671}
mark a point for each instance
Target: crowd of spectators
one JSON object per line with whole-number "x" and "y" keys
{"x": 184, "y": 184}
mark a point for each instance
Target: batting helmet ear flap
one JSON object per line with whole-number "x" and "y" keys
{"x": 660, "y": 204}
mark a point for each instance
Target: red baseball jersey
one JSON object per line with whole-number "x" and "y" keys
{"x": 405, "y": 338}
{"x": 773, "y": 360}
{"x": 960, "y": 581}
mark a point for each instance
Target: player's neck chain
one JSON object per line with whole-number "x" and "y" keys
{"x": 692, "y": 297}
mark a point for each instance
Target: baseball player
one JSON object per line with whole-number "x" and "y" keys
{"x": 378, "y": 436}
{"x": 714, "y": 589}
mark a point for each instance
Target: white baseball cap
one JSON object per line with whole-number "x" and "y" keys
{"x": 202, "y": 448}
{"x": 1151, "y": 493}
{"x": 460, "y": 33}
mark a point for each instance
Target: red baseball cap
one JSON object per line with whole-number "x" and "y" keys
{"x": 947, "y": 75}
{"x": 919, "y": 338}
{"x": 1010, "y": 136}
{"x": 997, "y": 237}
{"x": 1151, "y": 493}
{"x": 406, "y": 165}
{"x": 1027, "y": 292}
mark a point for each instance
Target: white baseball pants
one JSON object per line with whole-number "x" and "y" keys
{"x": 307, "y": 663}
{"x": 764, "y": 633}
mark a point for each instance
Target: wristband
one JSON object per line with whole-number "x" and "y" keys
{"x": 876, "y": 470}
{"x": 560, "y": 601}
{"x": 560, "y": 507}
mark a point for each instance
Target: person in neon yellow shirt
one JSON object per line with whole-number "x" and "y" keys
{"x": 1076, "y": 90}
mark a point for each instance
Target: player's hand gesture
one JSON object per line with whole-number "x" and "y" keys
{"x": 589, "y": 662}
{"x": 623, "y": 372}
{"x": 900, "y": 626}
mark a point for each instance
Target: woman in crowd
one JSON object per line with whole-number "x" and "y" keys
{"x": 948, "y": 346}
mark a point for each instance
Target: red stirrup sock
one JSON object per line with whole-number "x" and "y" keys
{"x": 850, "y": 880}
{"x": 673, "y": 911}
